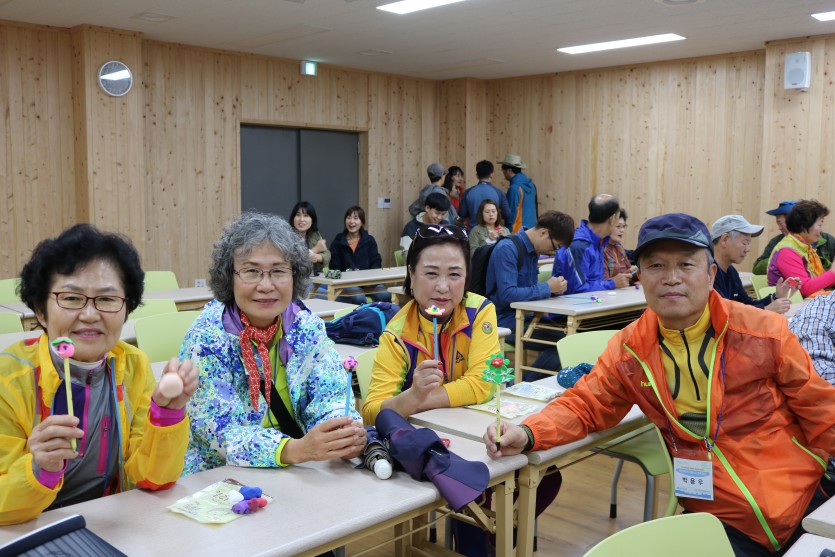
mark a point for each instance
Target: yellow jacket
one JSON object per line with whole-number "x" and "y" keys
{"x": 471, "y": 339}
{"x": 151, "y": 457}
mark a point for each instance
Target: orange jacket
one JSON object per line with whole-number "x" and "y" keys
{"x": 777, "y": 415}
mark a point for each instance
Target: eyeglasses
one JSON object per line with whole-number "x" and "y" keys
{"x": 428, "y": 231}
{"x": 621, "y": 226}
{"x": 253, "y": 275}
{"x": 74, "y": 300}
{"x": 554, "y": 245}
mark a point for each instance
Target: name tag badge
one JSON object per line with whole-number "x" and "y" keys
{"x": 693, "y": 478}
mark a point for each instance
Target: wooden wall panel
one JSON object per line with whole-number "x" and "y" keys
{"x": 36, "y": 140}
{"x": 676, "y": 136}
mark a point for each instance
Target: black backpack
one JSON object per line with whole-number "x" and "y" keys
{"x": 480, "y": 259}
{"x": 363, "y": 326}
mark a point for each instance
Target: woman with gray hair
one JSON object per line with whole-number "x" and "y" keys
{"x": 272, "y": 390}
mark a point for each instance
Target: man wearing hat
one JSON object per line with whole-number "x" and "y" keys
{"x": 436, "y": 173}
{"x": 731, "y": 236}
{"x": 825, "y": 246}
{"x": 746, "y": 419}
{"x": 521, "y": 194}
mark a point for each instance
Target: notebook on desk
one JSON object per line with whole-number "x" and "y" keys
{"x": 68, "y": 537}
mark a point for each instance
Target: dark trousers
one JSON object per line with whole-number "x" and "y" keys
{"x": 472, "y": 541}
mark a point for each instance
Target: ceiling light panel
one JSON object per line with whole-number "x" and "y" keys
{"x": 409, "y": 6}
{"x": 625, "y": 43}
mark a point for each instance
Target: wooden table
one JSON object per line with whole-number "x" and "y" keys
{"x": 621, "y": 306}
{"x": 821, "y": 521}
{"x": 369, "y": 277}
{"x": 326, "y": 308}
{"x": 471, "y": 424}
{"x": 186, "y": 298}
{"x": 810, "y": 545}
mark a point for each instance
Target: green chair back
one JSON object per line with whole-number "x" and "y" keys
{"x": 10, "y": 323}
{"x": 160, "y": 336}
{"x": 399, "y": 258}
{"x": 344, "y": 311}
{"x": 703, "y": 533}
{"x": 758, "y": 282}
{"x": 583, "y": 347}
{"x": 7, "y": 290}
{"x": 544, "y": 274}
{"x": 154, "y": 307}
{"x": 160, "y": 280}
{"x": 796, "y": 298}
{"x": 365, "y": 365}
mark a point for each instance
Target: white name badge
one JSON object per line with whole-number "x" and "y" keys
{"x": 693, "y": 478}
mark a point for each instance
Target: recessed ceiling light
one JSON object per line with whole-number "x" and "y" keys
{"x": 824, "y": 16}
{"x": 153, "y": 17}
{"x": 373, "y": 52}
{"x": 409, "y": 6}
{"x": 679, "y": 2}
{"x": 625, "y": 43}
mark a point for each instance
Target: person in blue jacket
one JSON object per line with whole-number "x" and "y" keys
{"x": 521, "y": 193}
{"x": 484, "y": 189}
{"x": 583, "y": 264}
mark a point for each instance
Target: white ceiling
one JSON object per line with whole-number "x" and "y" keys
{"x": 485, "y": 39}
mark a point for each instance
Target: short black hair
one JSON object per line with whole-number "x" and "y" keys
{"x": 804, "y": 215}
{"x": 560, "y": 226}
{"x": 438, "y": 201}
{"x": 483, "y": 169}
{"x": 602, "y": 207}
{"x": 72, "y": 250}
{"x": 355, "y": 209}
{"x": 623, "y": 214}
{"x": 309, "y": 211}
{"x": 513, "y": 168}
{"x": 433, "y": 235}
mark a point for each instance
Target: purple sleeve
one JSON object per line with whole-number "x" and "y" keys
{"x": 164, "y": 417}
{"x": 790, "y": 264}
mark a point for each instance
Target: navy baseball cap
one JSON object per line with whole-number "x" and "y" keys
{"x": 673, "y": 226}
{"x": 421, "y": 453}
{"x": 782, "y": 209}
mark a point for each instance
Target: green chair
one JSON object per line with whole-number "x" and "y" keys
{"x": 7, "y": 290}
{"x": 796, "y": 298}
{"x": 399, "y": 258}
{"x": 344, "y": 311}
{"x": 544, "y": 274}
{"x": 10, "y": 323}
{"x": 365, "y": 364}
{"x": 647, "y": 450}
{"x": 758, "y": 282}
{"x": 684, "y": 535}
{"x": 154, "y": 307}
{"x": 160, "y": 280}
{"x": 160, "y": 336}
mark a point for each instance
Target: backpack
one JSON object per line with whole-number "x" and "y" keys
{"x": 363, "y": 326}
{"x": 480, "y": 259}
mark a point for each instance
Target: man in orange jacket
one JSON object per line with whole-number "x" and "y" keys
{"x": 747, "y": 420}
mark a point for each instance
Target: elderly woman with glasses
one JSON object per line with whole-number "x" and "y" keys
{"x": 407, "y": 376}
{"x": 272, "y": 389}
{"x": 615, "y": 257}
{"x": 110, "y": 428}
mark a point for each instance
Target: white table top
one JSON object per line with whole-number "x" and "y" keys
{"x": 546, "y": 262}
{"x": 315, "y": 504}
{"x": 20, "y": 308}
{"x": 745, "y": 276}
{"x": 181, "y": 295}
{"x": 624, "y": 299}
{"x": 810, "y": 545}
{"x": 821, "y": 521}
{"x": 349, "y": 277}
{"x": 325, "y": 308}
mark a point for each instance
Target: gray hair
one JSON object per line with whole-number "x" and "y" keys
{"x": 251, "y": 230}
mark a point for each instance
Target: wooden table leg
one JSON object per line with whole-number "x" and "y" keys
{"x": 504, "y": 517}
{"x": 520, "y": 349}
{"x": 529, "y": 478}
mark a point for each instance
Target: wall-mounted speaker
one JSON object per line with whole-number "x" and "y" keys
{"x": 798, "y": 70}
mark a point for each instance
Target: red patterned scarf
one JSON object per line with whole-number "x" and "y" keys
{"x": 261, "y": 338}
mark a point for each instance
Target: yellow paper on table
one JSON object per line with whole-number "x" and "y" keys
{"x": 211, "y": 504}
{"x": 510, "y": 409}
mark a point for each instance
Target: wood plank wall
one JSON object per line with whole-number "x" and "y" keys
{"x": 710, "y": 136}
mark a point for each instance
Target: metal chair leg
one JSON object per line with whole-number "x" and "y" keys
{"x": 613, "y": 494}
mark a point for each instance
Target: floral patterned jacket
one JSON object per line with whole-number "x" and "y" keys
{"x": 225, "y": 428}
